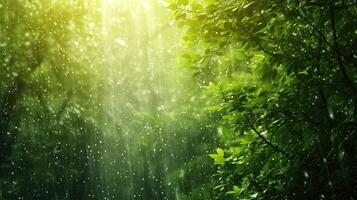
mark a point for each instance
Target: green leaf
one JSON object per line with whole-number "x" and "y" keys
{"x": 220, "y": 152}
{"x": 248, "y": 4}
{"x": 255, "y": 195}
{"x": 219, "y": 157}
{"x": 235, "y": 190}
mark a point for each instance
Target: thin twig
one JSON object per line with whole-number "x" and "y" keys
{"x": 277, "y": 149}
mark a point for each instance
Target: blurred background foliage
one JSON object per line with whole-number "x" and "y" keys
{"x": 92, "y": 106}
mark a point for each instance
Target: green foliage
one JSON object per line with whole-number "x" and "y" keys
{"x": 282, "y": 76}
{"x": 219, "y": 157}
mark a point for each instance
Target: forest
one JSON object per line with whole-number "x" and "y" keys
{"x": 178, "y": 99}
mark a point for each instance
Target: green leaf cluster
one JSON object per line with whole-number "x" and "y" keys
{"x": 282, "y": 77}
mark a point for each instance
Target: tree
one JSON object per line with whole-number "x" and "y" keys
{"x": 38, "y": 104}
{"x": 283, "y": 74}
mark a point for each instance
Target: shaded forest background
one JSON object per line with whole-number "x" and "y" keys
{"x": 179, "y": 99}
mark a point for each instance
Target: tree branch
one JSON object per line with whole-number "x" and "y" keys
{"x": 337, "y": 49}
{"x": 277, "y": 149}
{"x": 322, "y": 36}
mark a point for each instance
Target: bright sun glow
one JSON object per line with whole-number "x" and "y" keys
{"x": 108, "y": 1}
